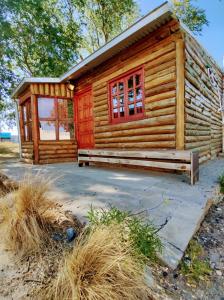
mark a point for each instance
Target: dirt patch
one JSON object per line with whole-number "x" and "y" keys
{"x": 8, "y": 150}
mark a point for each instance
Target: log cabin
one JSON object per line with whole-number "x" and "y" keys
{"x": 151, "y": 88}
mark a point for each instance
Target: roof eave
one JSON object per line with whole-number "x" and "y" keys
{"x": 28, "y": 80}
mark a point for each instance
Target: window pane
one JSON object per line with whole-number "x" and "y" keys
{"x": 121, "y": 111}
{"x": 115, "y": 102}
{"x": 139, "y": 93}
{"x": 24, "y": 113}
{"x": 114, "y": 89}
{"x": 130, "y": 82}
{"x": 131, "y": 109}
{"x": 65, "y": 109}
{"x": 26, "y": 133}
{"x": 139, "y": 107}
{"x": 122, "y": 99}
{"x": 66, "y": 130}
{"x": 115, "y": 113}
{"x": 30, "y": 131}
{"x": 46, "y": 108}
{"x": 137, "y": 79}
{"x": 121, "y": 86}
{"x": 47, "y": 130}
{"x": 131, "y": 96}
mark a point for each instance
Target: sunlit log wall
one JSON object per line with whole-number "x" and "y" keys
{"x": 203, "y": 122}
{"x": 157, "y": 52}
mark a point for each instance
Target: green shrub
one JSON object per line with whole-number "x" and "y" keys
{"x": 194, "y": 266}
{"x": 221, "y": 182}
{"x": 143, "y": 236}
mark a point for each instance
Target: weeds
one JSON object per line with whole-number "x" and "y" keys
{"x": 193, "y": 266}
{"x": 101, "y": 266}
{"x": 27, "y": 221}
{"x": 221, "y": 182}
{"x": 143, "y": 236}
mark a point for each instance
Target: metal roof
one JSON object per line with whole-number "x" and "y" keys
{"x": 138, "y": 30}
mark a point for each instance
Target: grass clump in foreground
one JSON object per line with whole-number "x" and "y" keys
{"x": 194, "y": 266}
{"x": 26, "y": 221}
{"x": 100, "y": 266}
{"x": 143, "y": 237}
{"x": 221, "y": 182}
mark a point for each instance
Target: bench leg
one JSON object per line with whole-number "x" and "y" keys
{"x": 194, "y": 167}
{"x": 87, "y": 163}
{"x": 80, "y": 165}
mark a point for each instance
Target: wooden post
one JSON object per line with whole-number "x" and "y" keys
{"x": 35, "y": 128}
{"x": 21, "y": 124}
{"x": 194, "y": 167}
{"x": 180, "y": 118}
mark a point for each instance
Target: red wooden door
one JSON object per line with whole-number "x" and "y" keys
{"x": 84, "y": 119}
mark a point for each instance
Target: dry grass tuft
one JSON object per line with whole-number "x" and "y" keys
{"x": 101, "y": 266}
{"x": 25, "y": 220}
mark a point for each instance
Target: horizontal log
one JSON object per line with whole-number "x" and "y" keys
{"x": 160, "y": 81}
{"x": 161, "y": 112}
{"x": 161, "y": 96}
{"x": 171, "y": 86}
{"x": 138, "y": 131}
{"x": 141, "y": 145}
{"x": 162, "y": 59}
{"x": 64, "y": 142}
{"x": 164, "y": 120}
{"x": 138, "y": 138}
{"x": 162, "y": 73}
{"x": 194, "y": 120}
{"x": 63, "y": 155}
{"x": 58, "y": 160}
{"x": 158, "y": 154}
{"x": 26, "y": 160}
{"x": 197, "y": 138}
{"x": 154, "y": 164}
{"x": 160, "y": 104}
{"x": 27, "y": 155}
{"x": 58, "y": 151}
{"x": 50, "y": 147}
{"x": 161, "y": 67}
{"x": 206, "y": 133}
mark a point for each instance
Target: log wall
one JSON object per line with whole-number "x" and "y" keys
{"x": 157, "y": 53}
{"x": 54, "y": 152}
{"x": 27, "y": 152}
{"x": 203, "y": 122}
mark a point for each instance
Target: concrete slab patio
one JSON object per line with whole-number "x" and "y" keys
{"x": 162, "y": 196}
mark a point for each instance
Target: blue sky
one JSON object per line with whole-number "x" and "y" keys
{"x": 213, "y": 36}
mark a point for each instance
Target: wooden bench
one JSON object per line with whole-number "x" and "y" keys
{"x": 181, "y": 160}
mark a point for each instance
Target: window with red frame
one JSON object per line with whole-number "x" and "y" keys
{"x": 127, "y": 97}
{"x": 27, "y": 120}
{"x": 56, "y": 120}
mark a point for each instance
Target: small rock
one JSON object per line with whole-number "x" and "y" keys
{"x": 165, "y": 274}
{"x": 219, "y": 273}
{"x": 70, "y": 234}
